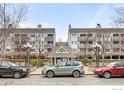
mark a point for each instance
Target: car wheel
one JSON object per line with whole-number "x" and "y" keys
{"x": 76, "y": 74}
{"x": 107, "y": 75}
{"x": 17, "y": 75}
{"x": 50, "y": 74}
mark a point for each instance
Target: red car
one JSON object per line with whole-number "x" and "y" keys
{"x": 113, "y": 69}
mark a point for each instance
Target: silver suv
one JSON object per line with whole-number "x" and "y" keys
{"x": 73, "y": 68}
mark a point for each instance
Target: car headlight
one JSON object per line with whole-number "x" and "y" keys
{"x": 24, "y": 69}
{"x": 99, "y": 70}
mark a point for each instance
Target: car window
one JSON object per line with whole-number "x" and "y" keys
{"x": 69, "y": 63}
{"x": 5, "y": 64}
{"x": 76, "y": 64}
{"x": 122, "y": 64}
{"x": 61, "y": 63}
{"x": 118, "y": 65}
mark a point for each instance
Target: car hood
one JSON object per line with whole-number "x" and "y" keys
{"x": 102, "y": 68}
{"x": 49, "y": 67}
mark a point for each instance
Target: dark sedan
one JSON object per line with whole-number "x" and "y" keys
{"x": 8, "y": 68}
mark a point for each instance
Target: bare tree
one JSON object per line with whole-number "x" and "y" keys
{"x": 10, "y": 15}
{"x": 118, "y": 19}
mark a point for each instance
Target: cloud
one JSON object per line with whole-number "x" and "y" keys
{"x": 100, "y": 15}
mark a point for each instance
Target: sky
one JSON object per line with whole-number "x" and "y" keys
{"x": 59, "y": 16}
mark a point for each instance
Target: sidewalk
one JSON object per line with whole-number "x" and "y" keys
{"x": 38, "y": 70}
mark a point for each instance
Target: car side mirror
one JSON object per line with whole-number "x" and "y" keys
{"x": 115, "y": 66}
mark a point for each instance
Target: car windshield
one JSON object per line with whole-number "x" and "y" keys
{"x": 111, "y": 64}
{"x": 12, "y": 64}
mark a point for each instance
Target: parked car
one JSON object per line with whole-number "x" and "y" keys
{"x": 8, "y": 68}
{"x": 112, "y": 69}
{"x": 73, "y": 68}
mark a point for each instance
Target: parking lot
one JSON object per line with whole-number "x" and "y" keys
{"x": 41, "y": 80}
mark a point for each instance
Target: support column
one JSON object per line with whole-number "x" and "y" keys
{"x": 68, "y": 58}
{"x": 51, "y": 61}
{"x": 54, "y": 60}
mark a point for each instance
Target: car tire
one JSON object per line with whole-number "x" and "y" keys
{"x": 76, "y": 74}
{"x": 107, "y": 75}
{"x": 17, "y": 75}
{"x": 50, "y": 74}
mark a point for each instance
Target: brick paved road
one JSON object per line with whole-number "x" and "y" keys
{"x": 83, "y": 80}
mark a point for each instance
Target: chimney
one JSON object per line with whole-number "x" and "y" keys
{"x": 10, "y": 26}
{"x": 69, "y": 26}
{"x": 39, "y": 26}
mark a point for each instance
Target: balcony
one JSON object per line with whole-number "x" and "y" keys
{"x": 116, "y": 45}
{"x": 49, "y": 38}
{"x": 116, "y": 38}
{"x": 49, "y": 45}
{"x": 82, "y": 38}
{"x": 17, "y": 39}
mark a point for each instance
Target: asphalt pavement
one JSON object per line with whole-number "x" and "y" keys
{"x": 68, "y": 80}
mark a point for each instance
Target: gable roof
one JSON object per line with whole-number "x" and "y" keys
{"x": 63, "y": 45}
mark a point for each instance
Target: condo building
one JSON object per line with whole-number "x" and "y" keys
{"x": 111, "y": 40}
{"x": 40, "y": 39}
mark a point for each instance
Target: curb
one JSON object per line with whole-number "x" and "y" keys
{"x": 41, "y": 74}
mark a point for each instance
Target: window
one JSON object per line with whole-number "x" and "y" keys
{"x": 122, "y": 35}
{"x": 33, "y": 35}
{"x": 115, "y": 42}
{"x": 74, "y": 42}
{"x": 116, "y": 49}
{"x": 24, "y": 35}
{"x": 115, "y": 35}
{"x": 122, "y": 42}
{"x": 107, "y": 50}
{"x": 90, "y": 42}
{"x": 50, "y": 35}
{"x": 69, "y": 63}
{"x": 118, "y": 65}
{"x": 122, "y": 49}
{"x": 23, "y": 42}
{"x": 122, "y": 64}
{"x": 73, "y": 34}
{"x": 76, "y": 63}
{"x": 89, "y": 49}
{"x": 61, "y": 50}
{"x": 4, "y": 64}
{"x": 16, "y": 42}
{"x": 99, "y": 42}
{"x": 82, "y": 35}
{"x": 61, "y": 63}
{"x": 89, "y": 35}
{"x": 17, "y": 35}
{"x": 107, "y": 35}
{"x": 82, "y": 42}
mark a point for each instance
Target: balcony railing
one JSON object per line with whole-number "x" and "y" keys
{"x": 22, "y": 38}
{"x": 49, "y": 38}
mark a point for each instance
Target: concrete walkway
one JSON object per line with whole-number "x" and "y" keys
{"x": 38, "y": 70}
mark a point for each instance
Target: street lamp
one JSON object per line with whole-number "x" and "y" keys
{"x": 28, "y": 47}
{"x": 97, "y": 49}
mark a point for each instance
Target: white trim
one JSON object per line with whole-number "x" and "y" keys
{"x": 61, "y": 52}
